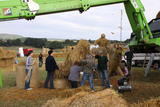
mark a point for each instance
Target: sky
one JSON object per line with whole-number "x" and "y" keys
{"x": 73, "y": 25}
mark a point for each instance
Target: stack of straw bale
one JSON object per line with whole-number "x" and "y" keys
{"x": 106, "y": 98}
{"x": 7, "y": 54}
{"x": 20, "y": 75}
{"x": 7, "y": 57}
{"x": 35, "y": 79}
{"x": 115, "y": 57}
{"x": 74, "y": 54}
{"x": 102, "y": 42}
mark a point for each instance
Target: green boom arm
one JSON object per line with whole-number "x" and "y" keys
{"x": 28, "y": 9}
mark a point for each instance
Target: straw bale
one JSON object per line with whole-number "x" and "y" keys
{"x": 7, "y": 54}
{"x": 6, "y": 62}
{"x": 35, "y": 55}
{"x": 20, "y": 75}
{"x": 102, "y": 42}
{"x": 61, "y": 73}
{"x": 35, "y": 79}
{"x": 45, "y": 50}
{"x": 158, "y": 15}
{"x": 96, "y": 51}
{"x": 80, "y": 50}
{"x": 115, "y": 57}
{"x": 106, "y": 98}
{"x": 75, "y": 54}
{"x": 61, "y": 83}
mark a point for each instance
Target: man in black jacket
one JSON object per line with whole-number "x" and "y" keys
{"x": 51, "y": 66}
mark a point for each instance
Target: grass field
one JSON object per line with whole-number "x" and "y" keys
{"x": 143, "y": 90}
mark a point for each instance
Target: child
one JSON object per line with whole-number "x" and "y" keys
{"x": 124, "y": 68}
{"x": 74, "y": 75}
{"x": 125, "y": 74}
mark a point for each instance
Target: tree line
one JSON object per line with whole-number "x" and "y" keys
{"x": 43, "y": 42}
{"x": 38, "y": 43}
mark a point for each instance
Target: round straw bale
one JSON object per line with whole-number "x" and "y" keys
{"x": 61, "y": 83}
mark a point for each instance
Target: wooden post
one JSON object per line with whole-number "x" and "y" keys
{"x": 147, "y": 70}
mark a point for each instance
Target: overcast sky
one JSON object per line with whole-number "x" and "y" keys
{"x": 73, "y": 25}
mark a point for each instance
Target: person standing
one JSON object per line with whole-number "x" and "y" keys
{"x": 74, "y": 76}
{"x": 50, "y": 66}
{"x": 88, "y": 71}
{"x": 128, "y": 56}
{"x": 29, "y": 67}
{"x": 102, "y": 68}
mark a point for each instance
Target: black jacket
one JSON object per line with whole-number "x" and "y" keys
{"x": 51, "y": 64}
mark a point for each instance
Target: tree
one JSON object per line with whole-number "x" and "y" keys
{"x": 55, "y": 45}
{"x": 35, "y": 42}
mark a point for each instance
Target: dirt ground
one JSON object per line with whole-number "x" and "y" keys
{"x": 144, "y": 89}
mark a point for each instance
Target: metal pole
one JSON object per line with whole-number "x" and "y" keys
{"x": 147, "y": 70}
{"x": 121, "y": 28}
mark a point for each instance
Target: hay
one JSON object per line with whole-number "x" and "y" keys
{"x": 106, "y": 98}
{"x": 102, "y": 42}
{"x": 155, "y": 102}
{"x": 115, "y": 57}
{"x": 96, "y": 51}
{"x": 6, "y": 63}
{"x": 158, "y": 15}
{"x": 45, "y": 50}
{"x": 20, "y": 75}
{"x": 73, "y": 54}
{"x": 7, "y": 54}
{"x": 7, "y": 57}
{"x": 61, "y": 84}
{"x": 35, "y": 79}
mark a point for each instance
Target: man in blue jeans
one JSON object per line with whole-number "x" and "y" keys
{"x": 88, "y": 71}
{"x": 29, "y": 67}
{"x": 102, "y": 68}
{"x": 50, "y": 66}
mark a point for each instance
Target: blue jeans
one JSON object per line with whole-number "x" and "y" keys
{"x": 104, "y": 78}
{"x": 27, "y": 82}
{"x": 89, "y": 77}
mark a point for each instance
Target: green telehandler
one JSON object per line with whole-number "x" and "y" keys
{"x": 145, "y": 36}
